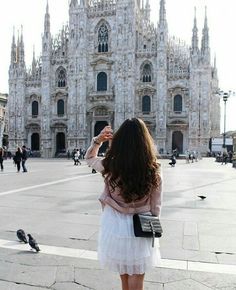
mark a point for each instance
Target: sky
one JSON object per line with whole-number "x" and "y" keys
{"x": 180, "y": 13}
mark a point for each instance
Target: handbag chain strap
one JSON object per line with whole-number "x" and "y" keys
{"x": 153, "y": 233}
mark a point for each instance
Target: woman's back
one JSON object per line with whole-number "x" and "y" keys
{"x": 130, "y": 169}
{"x": 130, "y": 163}
{"x": 132, "y": 185}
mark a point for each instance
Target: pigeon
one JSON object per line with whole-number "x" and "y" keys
{"x": 33, "y": 243}
{"x": 202, "y": 196}
{"x": 21, "y": 236}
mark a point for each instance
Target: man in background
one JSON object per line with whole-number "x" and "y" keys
{"x": 24, "y": 158}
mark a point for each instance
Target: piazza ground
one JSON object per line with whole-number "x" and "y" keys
{"x": 57, "y": 203}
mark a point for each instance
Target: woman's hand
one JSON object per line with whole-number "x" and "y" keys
{"x": 105, "y": 135}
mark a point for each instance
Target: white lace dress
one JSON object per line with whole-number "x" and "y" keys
{"x": 119, "y": 250}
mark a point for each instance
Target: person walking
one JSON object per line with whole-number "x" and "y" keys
{"x": 76, "y": 157}
{"x": 24, "y": 158}
{"x": 224, "y": 157}
{"x": 1, "y": 158}
{"x": 173, "y": 160}
{"x": 133, "y": 184}
{"x": 17, "y": 158}
{"x": 68, "y": 154}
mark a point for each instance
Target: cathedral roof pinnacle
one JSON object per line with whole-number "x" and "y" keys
{"x": 195, "y": 34}
{"x": 13, "y": 37}
{"x": 47, "y": 8}
{"x": 47, "y": 21}
{"x": 205, "y": 37}
{"x": 205, "y": 21}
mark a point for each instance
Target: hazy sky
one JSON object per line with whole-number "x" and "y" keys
{"x": 221, "y": 22}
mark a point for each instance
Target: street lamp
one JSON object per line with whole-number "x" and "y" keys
{"x": 225, "y": 98}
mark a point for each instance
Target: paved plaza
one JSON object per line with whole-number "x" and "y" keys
{"x": 57, "y": 203}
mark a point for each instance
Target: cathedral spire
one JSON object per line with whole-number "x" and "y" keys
{"x": 205, "y": 50}
{"x": 33, "y": 61}
{"x": 147, "y": 9}
{"x": 162, "y": 13}
{"x": 142, "y": 4}
{"x": 47, "y": 22}
{"x": 162, "y": 26}
{"x": 195, "y": 35}
{"x": 13, "y": 48}
{"x": 215, "y": 72}
{"x": 20, "y": 48}
{"x": 74, "y": 3}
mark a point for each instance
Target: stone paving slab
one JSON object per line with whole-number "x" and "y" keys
{"x": 13, "y": 286}
{"x": 54, "y": 272}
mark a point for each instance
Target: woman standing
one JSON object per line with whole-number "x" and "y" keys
{"x": 17, "y": 158}
{"x": 1, "y": 158}
{"x": 132, "y": 185}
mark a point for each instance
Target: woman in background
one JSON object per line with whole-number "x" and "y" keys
{"x": 17, "y": 158}
{"x": 1, "y": 158}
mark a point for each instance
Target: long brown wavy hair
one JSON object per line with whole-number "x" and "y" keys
{"x": 131, "y": 163}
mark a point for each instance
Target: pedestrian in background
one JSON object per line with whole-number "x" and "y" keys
{"x": 24, "y": 158}
{"x": 76, "y": 157}
{"x": 172, "y": 160}
{"x": 17, "y": 158}
{"x": 68, "y": 154}
{"x": 132, "y": 185}
{"x": 224, "y": 156}
{"x": 1, "y": 158}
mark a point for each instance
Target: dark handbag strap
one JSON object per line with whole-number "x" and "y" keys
{"x": 153, "y": 233}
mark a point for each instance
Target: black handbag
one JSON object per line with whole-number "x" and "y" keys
{"x": 147, "y": 226}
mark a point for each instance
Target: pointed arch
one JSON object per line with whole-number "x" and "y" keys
{"x": 61, "y": 78}
{"x": 146, "y": 70}
{"x": 102, "y": 31}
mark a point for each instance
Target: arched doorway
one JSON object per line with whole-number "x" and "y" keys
{"x": 60, "y": 143}
{"x": 177, "y": 141}
{"x": 97, "y": 129}
{"x": 35, "y": 142}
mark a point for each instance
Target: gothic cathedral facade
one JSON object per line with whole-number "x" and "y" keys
{"x": 108, "y": 64}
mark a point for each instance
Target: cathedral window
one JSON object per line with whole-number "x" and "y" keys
{"x": 102, "y": 81}
{"x": 178, "y": 103}
{"x": 61, "y": 78}
{"x": 60, "y": 107}
{"x": 147, "y": 73}
{"x": 103, "y": 38}
{"x": 35, "y": 109}
{"x": 146, "y": 104}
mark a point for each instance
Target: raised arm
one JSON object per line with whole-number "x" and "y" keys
{"x": 91, "y": 155}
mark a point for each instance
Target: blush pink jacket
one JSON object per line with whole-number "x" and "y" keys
{"x": 149, "y": 203}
